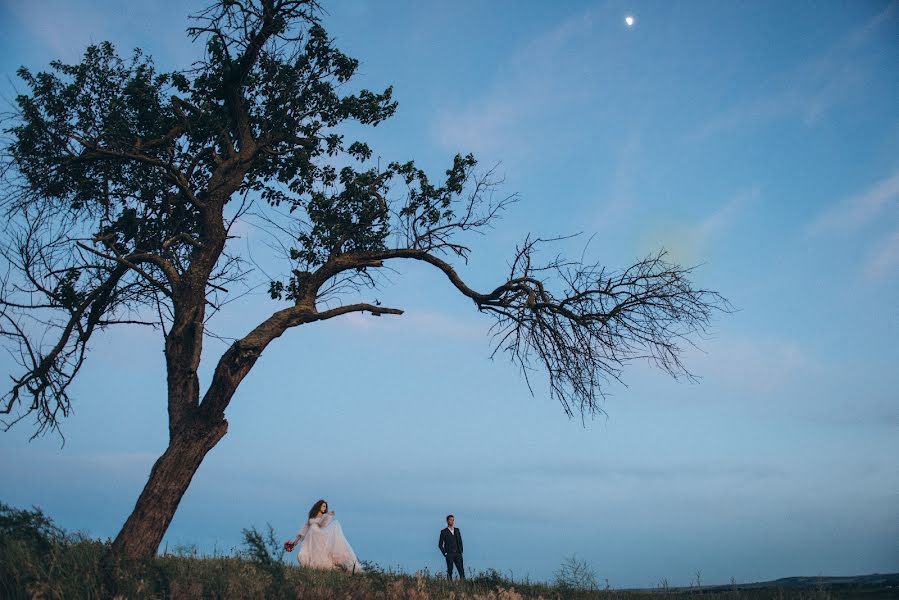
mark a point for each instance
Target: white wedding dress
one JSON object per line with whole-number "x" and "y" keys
{"x": 325, "y": 547}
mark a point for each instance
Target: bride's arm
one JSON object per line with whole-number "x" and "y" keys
{"x": 324, "y": 519}
{"x": 302, "y": 533}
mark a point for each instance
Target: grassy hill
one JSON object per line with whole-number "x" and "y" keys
{"x": 38, "y": 560}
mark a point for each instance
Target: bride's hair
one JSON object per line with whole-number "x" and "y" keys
{"x": 316, "y": 509}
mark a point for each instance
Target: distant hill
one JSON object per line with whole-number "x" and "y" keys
{"x": 877, "y": 580}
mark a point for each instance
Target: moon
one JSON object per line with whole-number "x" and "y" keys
{"x": 629, "y": 20}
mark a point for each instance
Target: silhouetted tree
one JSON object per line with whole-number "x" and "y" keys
{"x": 123, "y": 183}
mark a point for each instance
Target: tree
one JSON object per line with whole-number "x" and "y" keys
{"x": 123, "y": 184}
{"x": 575, "y": 574}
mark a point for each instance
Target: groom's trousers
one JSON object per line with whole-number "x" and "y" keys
{"x": 454, "y": 558}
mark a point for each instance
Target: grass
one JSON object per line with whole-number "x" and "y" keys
{"x": 38, "y": 560}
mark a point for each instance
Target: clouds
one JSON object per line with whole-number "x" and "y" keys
{"x": 764, "y": 366}
{"x": 717, "y": 222}
{"x": 61, "y": 30}
{"x": 55, "y": 29}
{"x": 883, "y": 260}
{"x": 860, "y": 210}
{"x": 509, "y": 119}
{"x": 653, "y": 471}
{"x": 690, "y": 243}
{"x": 873, "y": 209}
{"x": 807, "y": 91}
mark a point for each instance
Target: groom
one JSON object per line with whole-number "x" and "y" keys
{"x": 450, "y": 545}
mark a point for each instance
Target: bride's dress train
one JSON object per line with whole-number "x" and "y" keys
{"x": 325, "y": 547}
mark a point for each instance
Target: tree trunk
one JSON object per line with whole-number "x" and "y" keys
{"x": 142, "y": 533}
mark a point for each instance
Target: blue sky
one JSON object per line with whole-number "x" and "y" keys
{"x": 758, "y": 140}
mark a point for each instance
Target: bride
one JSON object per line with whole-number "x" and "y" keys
{"x": 324, "y": 546}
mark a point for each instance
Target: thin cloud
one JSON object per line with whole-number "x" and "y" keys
{"x": 507, "y": 117}
{"x": 622, "y": 197}
{"x": 760, "y": 365}
{"x": 860, "y": 210}
{"x": 883, "y": 261}
{"x": 652, "y": 472}
{"x": 866, "y": 212}
{"x": 690, "y": 243}
{"x": 87, "y": 464}
{"x": 808, "y": 91}
{"x": 724, "y": 217}
{"x": 59, "y": 29}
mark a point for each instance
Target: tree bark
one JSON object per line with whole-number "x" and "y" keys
{"x": 192, "y": 432}
{"x": 171, "y": 475}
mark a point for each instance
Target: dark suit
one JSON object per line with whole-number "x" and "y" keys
{"x": 451, "y": 547}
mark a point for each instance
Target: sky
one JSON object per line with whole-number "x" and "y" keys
{"x": 758, "y": 141}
